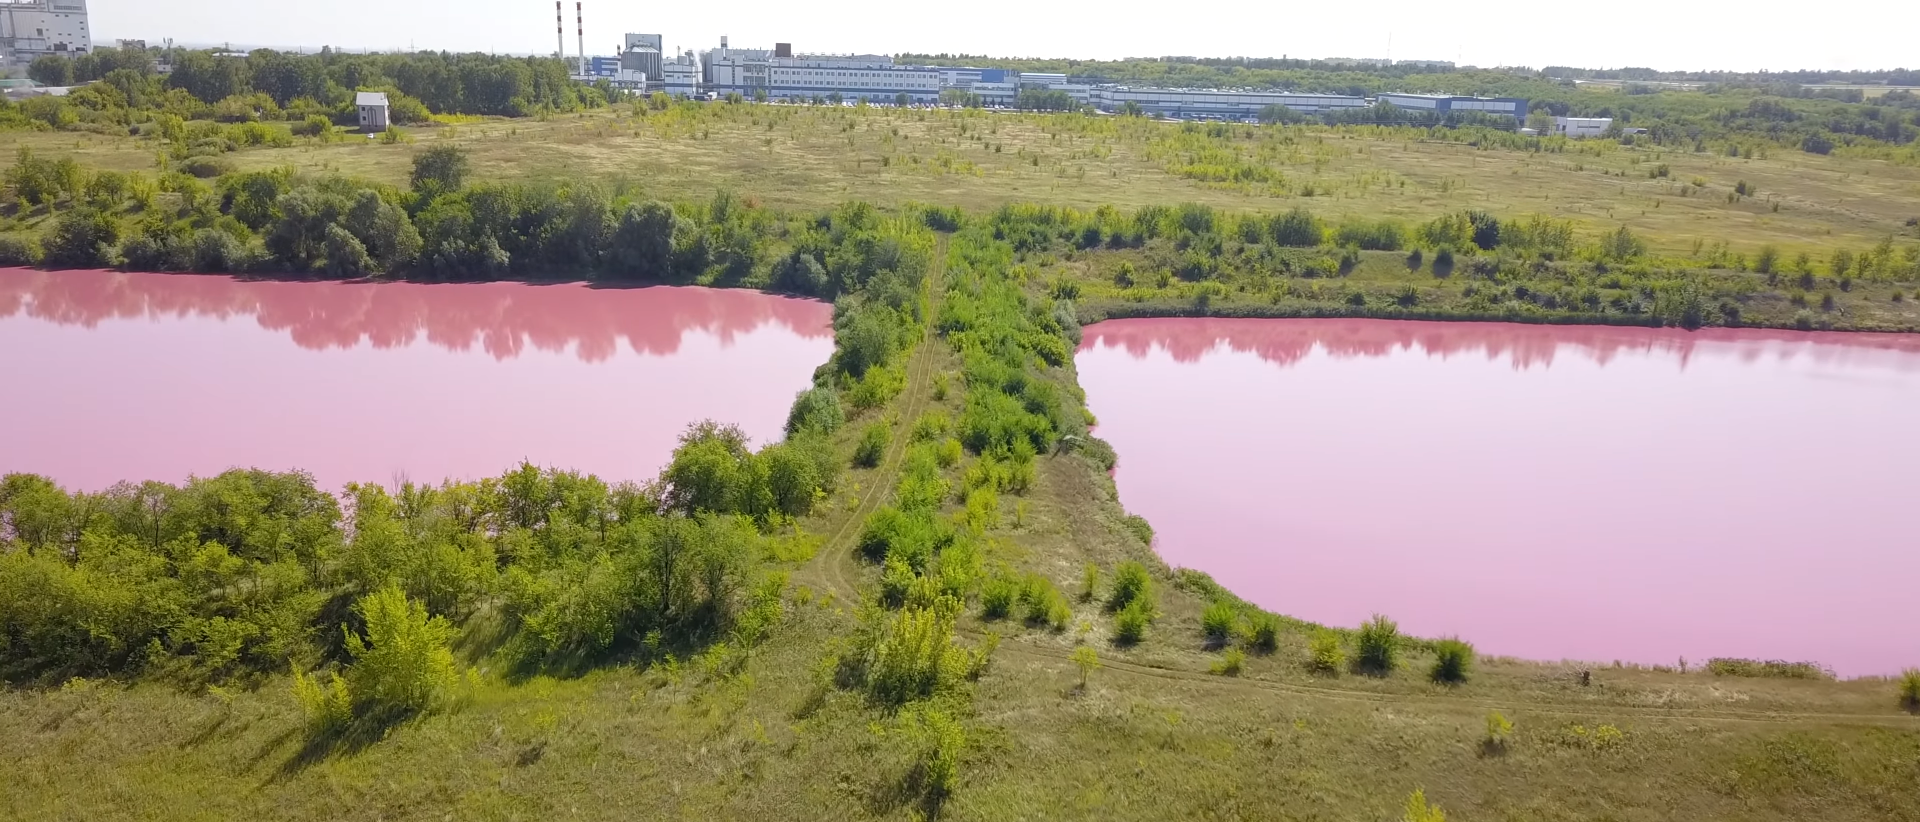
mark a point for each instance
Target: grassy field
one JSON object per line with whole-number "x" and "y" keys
{"x": 1152, "y": 735}
{"x": 816, "y": 157}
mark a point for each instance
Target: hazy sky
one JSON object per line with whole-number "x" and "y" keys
{"x": 1683, "y": 35}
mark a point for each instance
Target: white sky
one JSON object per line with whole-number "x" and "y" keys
{"x": 1714, "y": 34}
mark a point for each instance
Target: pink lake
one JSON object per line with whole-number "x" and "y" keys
{"x": 1545, "y": 492}
{"x": 113, "y": 376}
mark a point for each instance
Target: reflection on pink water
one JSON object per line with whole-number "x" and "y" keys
{"x": 1545, "y": 492}
{"x": 113, "y": 376}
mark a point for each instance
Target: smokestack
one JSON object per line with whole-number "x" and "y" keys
{"x": 580, "y": 18}
{"x": 559, "y": 31}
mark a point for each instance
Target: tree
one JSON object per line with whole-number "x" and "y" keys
{"x": 1132, "y": 109}
{"x": 83, "y": 238}
{"x": 1086, "y": 660}
{"x": 1280, "y": 115}
{"x": 643, "y": 242}
{"x": 51, "y": 70}
{"x": 440, "y": 170}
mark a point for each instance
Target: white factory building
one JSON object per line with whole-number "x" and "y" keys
{"x": 1581, "y": 126}
{"x": 1444, "y": 104}
{"x": 781, "y": 75}
{"x": 31, "y": 29}
{"x": 1230, "y": 104}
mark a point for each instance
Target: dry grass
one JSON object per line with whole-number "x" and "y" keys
{"x": 815, "y": 157}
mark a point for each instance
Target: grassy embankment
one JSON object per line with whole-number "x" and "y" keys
{"x": 1153, "y": 734}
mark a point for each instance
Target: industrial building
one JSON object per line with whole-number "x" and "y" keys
{"x": 1445, "y": 104}
{"x": 30, "y": 29}
{"x": 756, "y": 72}
{"x": 1236, "y": 105}
{"x": 1581, "y": 126}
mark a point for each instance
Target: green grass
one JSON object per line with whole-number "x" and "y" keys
{"x": 803, "y": 157}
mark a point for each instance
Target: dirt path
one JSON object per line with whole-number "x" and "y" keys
{"x": 834, "y": 567}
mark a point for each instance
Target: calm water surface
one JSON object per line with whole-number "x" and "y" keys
{"x": 111, "y": 376}
{"x": 1545, "y": 492}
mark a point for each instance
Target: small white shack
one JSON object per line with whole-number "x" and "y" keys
{"x": 373, "y": 110}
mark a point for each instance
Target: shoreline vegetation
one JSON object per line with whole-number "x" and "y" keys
{"x": 926, "y": 601}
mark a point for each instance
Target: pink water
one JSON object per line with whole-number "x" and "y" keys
{"x": 1545, "y": 492}
{"x": 110, "y": 376}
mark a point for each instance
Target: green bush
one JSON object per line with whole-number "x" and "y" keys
{"x": 1324, "y": 653}
{"x": 1130, "y": 584}
{"x": 997, "y": 597}
{"x": 207, "y": 168}
{"x": 18, "y": 251}
{"x": 1910, "y": 690}
{"x": 815, "y": 409}
{"x": 1043, "y": 604}
{"x": 404, "y": 662}
{"x": 328, "y": 706}
{"x": 1139, "y": 527}
{"x": 1130, "y": 624}
{"x": 1443, "y": 262}
{"x": 1231, "y": 663}
{"x": 1218, "y": 621}
{"x": 948, "y": 454}
{"x": 1263, "y": 632}
{"x": 1420, "y": 810}
{"x": 83, "y": 238}
{"x": 872, "y": 445}
{"x": 932, "y": 425}
{"x": 1089, "y": 581}
{"x": 1376, "y": 646}
{"x": 1453, "y": 661}
{"x": 1772, "y": 668}
{"x": 1499, "y": 732}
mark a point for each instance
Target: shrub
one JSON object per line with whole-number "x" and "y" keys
{"x": 314, "y": 126}
{"x": 997, "y": 597}
{"x": 83, "y": 238}
{"x": 207, "y": 168}
{"x": 1130, "y": 584}
{"x": 1218, "y": 621}
{"x": 1910, "y": 690}
{"x": 1231, "y": 663}
{"x": 1140, "y": 528}
{"x": 1043, "y": 603}
{"x": 1089, "y": 581}
{"x": 1324, "y": 653}
{"x": 1443, "y": 262}
{"x": 404, "y": 664}
{"x": 931, "y": 425}
{"x": 218, "y": 252}
{"x": 1376, "y": 646}
{"x": 1298, "y": 228}
{"x": 816, "y": 409}
{"x": 1499, "y": 731}
{"x": 328, "y": 706}
{"x": 1263, "y": 632}
{"x": 948, "y": 454}
{"x": 1420, "y": 810}
{"x": 1370, "y": 235}
{"x": 940, "y": 739}
{"x": 1130, "y": 625}
{"x": 872, "y": 445}
{"x": 1453, "y": 661}
{"x": 20, "y": 252}
{"x": 1415, "y": 259}
{"x": 1774, "y": 668}
{"x": 913, "y": 655}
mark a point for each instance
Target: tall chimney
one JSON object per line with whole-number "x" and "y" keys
{"x": 580, "y": 18}
{"x": 559, "y": 31}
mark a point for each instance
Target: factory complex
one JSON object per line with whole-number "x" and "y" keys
{"x": 780, "y": 74}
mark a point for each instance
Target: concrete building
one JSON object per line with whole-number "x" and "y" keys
{"x": 373, "y": 110}
{"x": 1444, "y": 104}
{"x": 1431, "y": 64}
{"x": 1236, "y": 105}
{"x": 30, "y": 29}
{"x": 644, "y": 53}
{"x": 1581, "y": 126}
{"x": 680, "y": 77}
{"x": 754, "y": 72}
